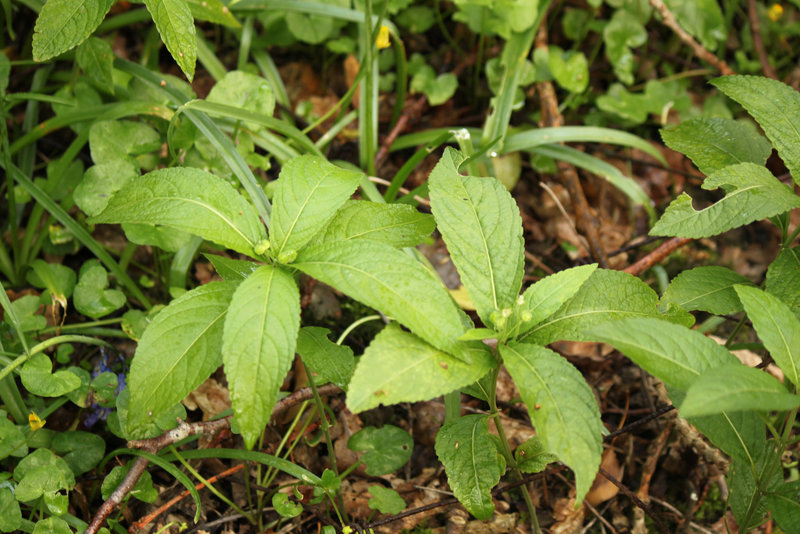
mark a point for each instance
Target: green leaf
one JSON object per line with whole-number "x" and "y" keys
{"x": 230, "y": 269}
{"x": 81, "y": 450}
{"x": 327, "y": 361}
{"x": 246, "y": 91}
{"x": 307, "y": 195}
{"x": 532, "y": 457}
{"x": 285, "y": 507}
{"x": 39, "y": 379}
{"x": 190, "y": 200}
{"x": 258, "y": 345}
{"x": 777, "y": 327}
{"x": 399, "y": 225}
{"x": 64, "y": 24}
{"x": 58, "y": 279}
{"x": 174, "y": 22}
{"x": 26, "y": 309}
{"x": 10, "y": 513}
{"x": 776, "y": 108}
{"x": 623, "y": 32}
{"x": 143, "y": 490}
{"x": 784, "y": 505}
{"x": 391, "y": 281}
{"x": 544, "y": 297}
{"x": 52, "y": 525}
{"x": 95, "y": 58}
{"x": 5, "y": 71}
{"x": 709, "y": 289}
{"x": 783, "y": 278}
{"x": 386, "y": 449}
{"x": 605, "y": 295}
{"x": 472, "y": 462}
{"x": 751, "y": 193}
{"x": 481, "y": 225}
{"x": 562, "y": 407}
{"x": 702, "y": 19}
{"x": 570, "y": 69}
{"x": 41, "y": 472}
{"x": 385, "y": 500}
{"x": 101, "y": 181}
{"x": 672, "y": 353}
{"x": 733, "y": 388}
{"x": 178, "y": 351}
{"x": 117, "y": 139}
{"x": 91, "y": 296}
{"x": 213, "y": 11}
{"x": 400, "y": 367}
{"x": 748, "y": 482}
{"x": 713, "y": 143}
{"x": 167, "y": 239}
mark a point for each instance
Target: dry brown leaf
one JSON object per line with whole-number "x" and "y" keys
{"x": 603, "y": 489}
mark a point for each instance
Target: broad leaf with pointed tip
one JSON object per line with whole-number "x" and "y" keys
{"x": 175, "y": 24}
{"x": 190, "y": 200}
{"x": 399, "y": 225}
{"x": 562, "y": 407}
{"x": 258, "y": 345}
{"x": 472, "y": 462}
{"x": 481, "y": 225}
{"x": 708, "y": 288}
{"x": 783, "y": 278}
{"x": 64, "y": 24}
{"x": 327, "y": 361}
{"x": 543, "y": 298}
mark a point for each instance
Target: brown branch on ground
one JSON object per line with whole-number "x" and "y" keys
{"x": 568, "y": 175}
{"x": 699, "y": 50}
{"x": 657, "y": 255}
{"x": 639, "y": 503}
{"x": 411, "y": 112}
{"x": 182, "y": 431}
{"x": 758, "y": 40}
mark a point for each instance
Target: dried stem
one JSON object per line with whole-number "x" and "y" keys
{"x": 758, "y": 40}
{"x": 663, "y": 250}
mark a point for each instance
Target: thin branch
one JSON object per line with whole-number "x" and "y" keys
{"x": 636, "y": 500}
{"x": 758, "y": 40}
{"x": 699, "y": 50}
{"x": 657, "y": 255}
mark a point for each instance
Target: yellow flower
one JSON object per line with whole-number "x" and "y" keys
{"x": 383, "y": 37}
{"x": 775, "y": 12}
{"x": 35, "y": 422}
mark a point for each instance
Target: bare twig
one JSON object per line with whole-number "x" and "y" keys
{"x": 758, "y": 40}
{"x": 411, "y": 112}
{"x": 657, "y": 255}
{"x": 699, "y": 50}
{"x": 644, "y": 506}
{"x": 182, "y": 431}
{"x": 586, "y": 221}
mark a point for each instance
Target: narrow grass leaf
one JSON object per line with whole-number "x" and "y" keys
{"x": 472, "y": 462}
{"x": 708, "y": 288}
{"x": 307, "y": 195}
{"x": 64, "y": 24}
{"x": 400, "y": 367}
{"x": 562, "y": 407}
{"x": 776, "y": 108}
{"x": 482, "y": 227}
{"x": 605, "y": 295}
{"x": 190, "y": 200}
{"x": 179, "y": 349}
{"x": 777, "y": 327}
{"x": 751, "y": 193}
{"x": 736, "y": 388}
{"x": 258, "y": 345}
{"x": 391, "y": 281}
{"x": 672, "y": 353}
{"x": 175, "y": 24}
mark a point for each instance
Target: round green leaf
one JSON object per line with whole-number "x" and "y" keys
{"x": 386, "y": 449}
{"x": 38, "y": 378}
{"x": 385, "y": 500}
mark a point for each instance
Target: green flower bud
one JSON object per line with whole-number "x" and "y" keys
{"x": 287, "y": 256}
{"x": 261, "y": 247}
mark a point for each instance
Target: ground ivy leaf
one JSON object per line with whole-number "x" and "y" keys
{"x": 670, "y": 352}
{"x": 101, "y": 181}
{"x": 175, "y": 24}
{"x": 39, "y": 379}
{"x": 179, "y": 349}
{"x": 143, "y": 490}
{"x": 400, "y": 367}
{"x": 385, "y": 500}
{"x": 783, "y": 278}
{"x": 10, "y": 513}
{"x": 543, "y": 298}
{"x": 245, "y": 91}
{"x": 307, "y": 194}
{"x": 386, "y": 449}
{"x": 562, "y": 407}
{"x": 399, "y": 225}
{"x": 112, "y": 140}
{"x": 776, "y": 108}
{"x": 708, "y": 288}
{"x": 285, "y": 507}
{"x": 41, "y": 472}
{"x": 751, "y": 193}
{"x": 472, "y": 462}
{"x": 258, "y": 345}
{"x": 603, "y": 296}
{"x": 26, "y": 309}
{"x": 81, "y": 450}
{"x": 64, "y": 24}
{"x": 713, "y": 142}
{"x": 92, "y": 296}
{"x": 391, "y": 281}
{"x": 777, "y": 327}
{"x": 190, "y": 200}
{"x": 58, "y": 279}
{"x": 736, "y": 388}
{"x": 532, "y": 457}
{"x": 482, "y": 227}
{"x": 327, "y": 361}
{"x": 52, "y": 525}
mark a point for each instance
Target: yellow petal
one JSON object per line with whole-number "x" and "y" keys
{"x": 35, "y": 422}
{"x": 383, "y": 37}
{"x": 775, "y": 12}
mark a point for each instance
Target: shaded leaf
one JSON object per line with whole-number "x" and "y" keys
{"x": 385, "y": 500}
{"x": 326, "y": 360}
{"x": 386, "y": 449}
{"x": 143, "y": 490}
{"x": 532, "y": 457}
{"x": 783, "y": 278}
{"x": 784, "y": 505}
{"x": 95, "y": 58}
{"x": 81, "y": 450}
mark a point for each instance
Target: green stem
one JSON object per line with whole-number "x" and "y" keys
{"x": 452, "y": 406}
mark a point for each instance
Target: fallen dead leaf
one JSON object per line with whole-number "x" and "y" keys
{"x": 603, "y": 489}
